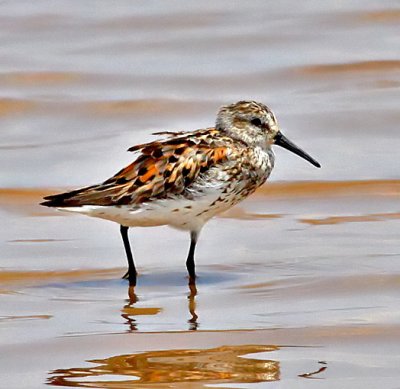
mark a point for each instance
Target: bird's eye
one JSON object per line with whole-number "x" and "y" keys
{"x": 256, "y": 122}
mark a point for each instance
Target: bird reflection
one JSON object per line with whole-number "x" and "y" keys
{"x": 129, "y": 312}
{"x": 198, "y": 367}
{"x": 220, "y": 365}
{"x": 132, "y": 295}
{"x": 193, "y": 324}
{"x": 312, "y": 374}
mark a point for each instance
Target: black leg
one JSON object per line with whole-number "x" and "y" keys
{"x": 190, "y": 259}
{"x": 131, "y": 274}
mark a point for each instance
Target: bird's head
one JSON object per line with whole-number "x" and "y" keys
{"x": 255, "y": 124}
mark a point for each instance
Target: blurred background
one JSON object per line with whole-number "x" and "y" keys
{"x": 80, "y": 84}
{"x": 311, "y": 259}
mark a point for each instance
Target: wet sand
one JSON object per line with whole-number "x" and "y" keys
{"x": 298, "y": 285}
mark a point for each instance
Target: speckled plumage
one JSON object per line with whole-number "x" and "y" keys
{"x": 186, "y": 178}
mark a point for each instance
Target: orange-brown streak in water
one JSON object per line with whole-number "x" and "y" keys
{"x": 25, "y": 317}
{"x": 29, "y": 278}
{"x": 18, "y": 196}
{"x": 382, "y": 16}
{"x": 278, "y": 190}
{"x": 240, "y": 213}
{"x": 373, "y": 217}
{"x": 328, "y": 286}
{"x": 135, "y": 311}
{"x": 159, "y": 369}
{"x": 39, "y": 78}
{"x": 143, "y": 107}
{"x": 323, "y": 189}
{"x": 11, "y": 106}
{"x": 362, "y": 66}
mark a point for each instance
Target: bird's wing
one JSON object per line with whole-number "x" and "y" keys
{"x": 162, "y": 168}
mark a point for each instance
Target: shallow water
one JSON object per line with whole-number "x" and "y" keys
{"x": 289, "y": 296}
{"x": 298, "y": 284}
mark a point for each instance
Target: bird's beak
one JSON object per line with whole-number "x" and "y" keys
{"x": 284, "y": 142}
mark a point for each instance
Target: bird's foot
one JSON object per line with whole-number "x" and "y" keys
{"x": 131, "y": 278}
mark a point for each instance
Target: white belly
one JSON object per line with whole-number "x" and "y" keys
{"x": 179, "y": 213}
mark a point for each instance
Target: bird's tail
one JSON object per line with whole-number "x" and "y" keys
{"x": 68, "y": 199}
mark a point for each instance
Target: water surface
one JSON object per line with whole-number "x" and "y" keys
{"x": 298, "y": 284}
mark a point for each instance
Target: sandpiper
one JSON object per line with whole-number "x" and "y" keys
{"x": 185, "y": 178}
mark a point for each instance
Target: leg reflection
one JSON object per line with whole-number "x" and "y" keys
{"x": 127, "y": 310}
{"x": 193, "y": 324}
{"x": 132, "y": 295}
{"x": 130, "y": 311}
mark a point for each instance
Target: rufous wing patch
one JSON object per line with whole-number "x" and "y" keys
{"x": 162, "y": 168}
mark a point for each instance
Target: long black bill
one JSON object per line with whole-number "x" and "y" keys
{"x": 284, "y": 142}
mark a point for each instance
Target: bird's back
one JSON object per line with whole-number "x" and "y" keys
{"x": 162, "y": 169}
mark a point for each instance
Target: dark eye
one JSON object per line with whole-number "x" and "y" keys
{"x": 256, "y": 122}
